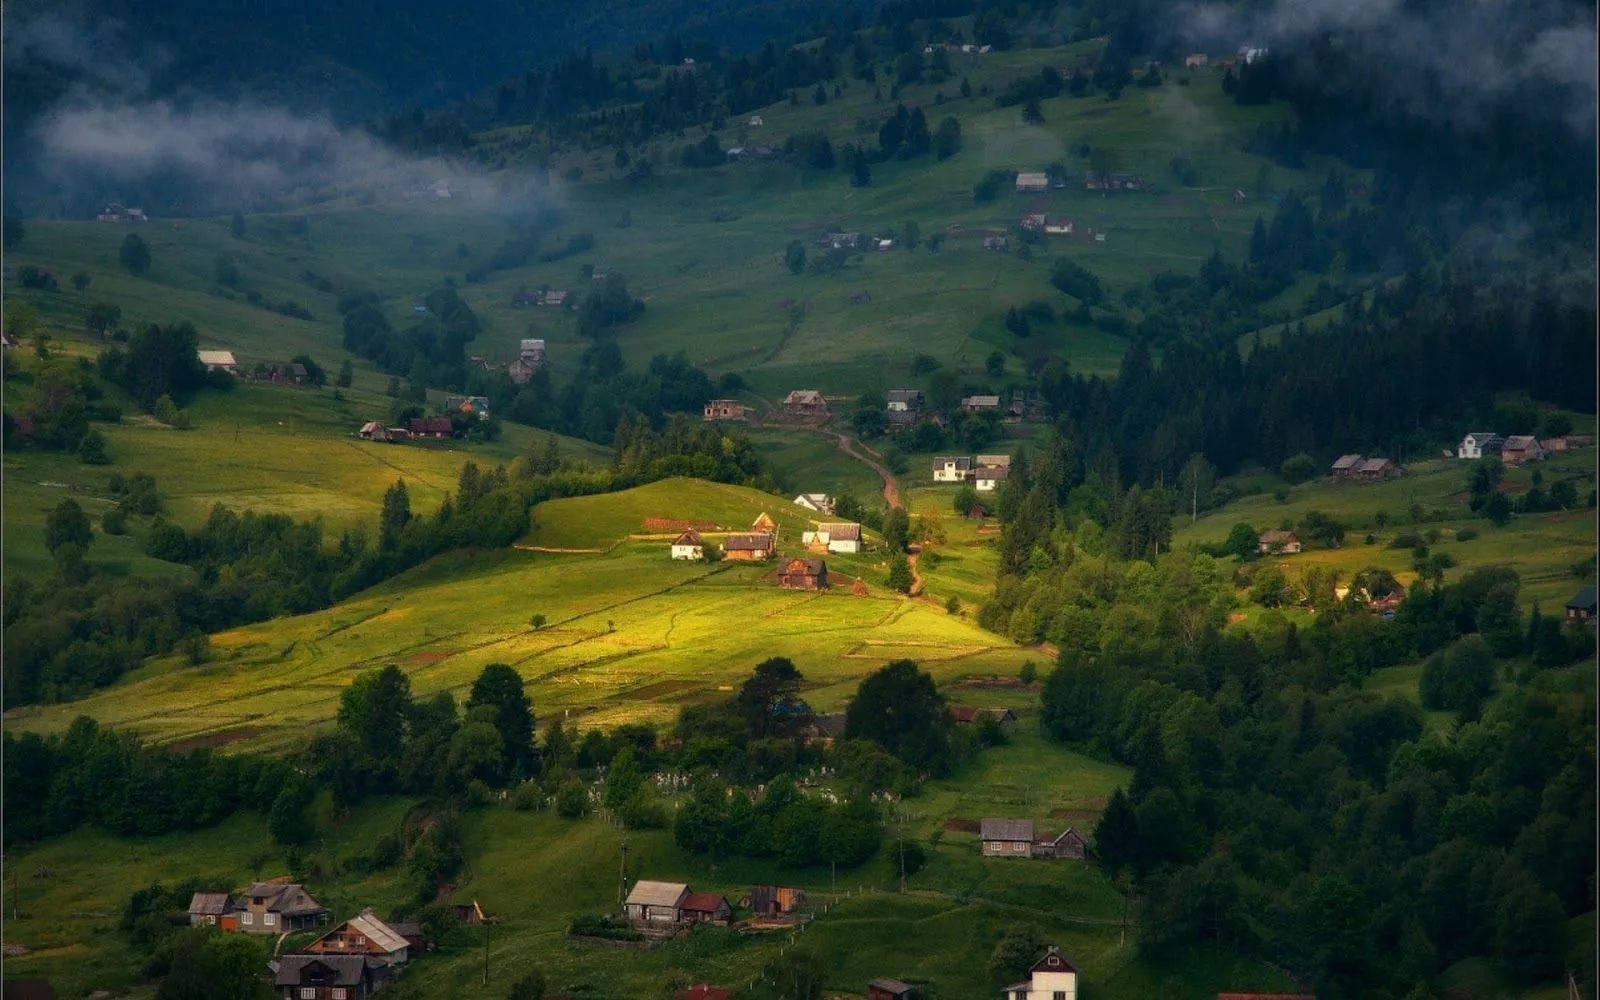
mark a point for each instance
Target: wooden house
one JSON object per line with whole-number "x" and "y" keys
{"x": 363, "y": 934}
{"x": 1033, "y": 182}
{"x": 774, "y": 900}
{"x": 805, "y": 403}
{"x": 764, "y": 524}
{"x": 1520, "y": 448}
{"x": 689, "y": 546}
{"x": 1582, "y": 607}
{"x": 1006, "y": 838}
{"x": 1374, "y": 469}
{"x": 1275, "y": 542}
{"x": 219, "y": 361}
{"x": 842, "y": 537}
{"x": 723, "y": 409}
{"x": 966, "y": 715}
{"x": 977, "y": 404}
{"x": 755, "y": 547}
{"x": 329, "y": 977}
{"x": 987, "y": 479}
{"x": 374, "y": 431}
{"x": 804, "y": 574}
{"x": 209, "y": 908}
{"x": 1068, "y": 844}
{"x": 656, "y": 903}
{"x": 1346, "y": 466}
{"x": 430, "y": 427}
{"x": 276, "y": 907}
{"x": 704, "y": 908}
{"x": 884, "y": 988}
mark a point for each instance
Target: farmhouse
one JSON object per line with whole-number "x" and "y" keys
{"x": 374, "y": 431}
{"x": 805, "y": 403}
{"x": 275, "y": 907}
{"x": 839, "y": 241}
{"x": 522, "y": 300}
{"x": 774, "y": 900}
{"x": 1275, "y": 542}
{"x": 702, "y": 991}
{"x": 329, "y": 977}
{"x": 902, "y": 405}
{"x": 1058, "y": 227}
{"x": 688, "y": 546}
{"x": 747, "y": 548}
{"x": 997, "y": 243}
{"x": 1122, "y": 182}
{"x": 951, "y": 470}
{"x": 824, "y": 729}
{"x": 966, "y": 715}
{"x": 1346, "y": 466}
{"x": 363, "y": 934}
{"x": 1582, "y": 607}
{"x": 820, "y": 503}
{"x": 1478, "y": 444}
{"x": 837, "y": 537}
{"x": 1196, "y": 60}
{"x": 434, "y": 427}
{"x": 1520, "y": 448}
{"x": 705, "y": 908}
{"x": 884, "y": 988}
{"x": 973, "y": 404}
{"x": 763, "y": 524}
{"x": 988, "y": 478}
{"x": 209, "y": 907}
{"x": 283, "y": 373}
{"x": 473, "y": 406}
{"x": 723, "y": 409}
{"x": 992, "y": 461}
{"x": 521, "y": 371}
{"x": 1053, "y": 977}
{"x": 1032, "y": 182}
{"x": 219, "y": 361}
{"x": 1006, "y": 838}
{"x": 555, "y": 297}
{"x": 1374, "y": 469}
{"x": 804, "y": 574}
{"x": 656, "y": 903}
{"x": 1069, "y": 844}
{"x": 1031, "y": 220}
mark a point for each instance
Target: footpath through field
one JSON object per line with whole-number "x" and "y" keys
{"x": 891, "y": 485}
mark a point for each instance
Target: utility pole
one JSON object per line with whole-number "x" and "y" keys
{"x": 622, "y": 888}
{"x": 486, "y": 926}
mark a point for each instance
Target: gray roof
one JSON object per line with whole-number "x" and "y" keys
{"x": 759, "y": 542}
{"x": 893, "y": 987}
{"x": 904, "y": 395}
{"x": 1374, "y": 465}
{"x": 962, "y": 463}
{"x": 843, "y": 531}
{"x": 992, "y": 472}
{"x": 213, "y": 904}
{"x": 1007, "y": 829}
{"x": 378, "y": 932}
{"x": 1585, "y": 598}
{"x": 831, "y": 724}
{"x": 646, "y": 893}
{"x": 1520, "y": 442}
{"x": 1347, "y": 462}
{"x": 348, "y": 969}
{"x": 290, "y": 900}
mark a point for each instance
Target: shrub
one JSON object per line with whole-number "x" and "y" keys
{"x": 527, "y": 797}
{"x": 1407, "y": 541}
{"x": 572, "y": 800}
{"x": 1466, "y": 534}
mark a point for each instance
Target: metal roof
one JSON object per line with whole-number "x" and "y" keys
{"x": 1006, "y": 829}
{"x": 378, "y": 932}
{"x": 646, "y": 893}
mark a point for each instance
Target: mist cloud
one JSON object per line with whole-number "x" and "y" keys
{"x": 95, "y": 53}
{"x": 1451, "y": 61}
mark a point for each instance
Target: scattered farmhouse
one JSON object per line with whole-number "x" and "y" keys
{"x": 1006, "y": 838}
{"x": 363, "y": 934}
{"x": 803, "y": 574}
{"x": 656, "y": 903}
{"x": 951, "y": 470}
{"x": 805, "y": 403}
{"x": 1032, "y": 183}
{"x": 723, "y": 409}
{"x": 975, "y": 404}
{"x": 1068, "y": 844}
{"x": 471, "y": 406}
{"x": 1346, "y": 466}
{"x": 1478, "y": 444}
{"x": 209, "y": 907}
{"x": 430, "y": 427}
{"x": 987, "y": 479}
{"x": 1374, "y": 469}
{"x": 901, "y": 406}
{"x": 992, "y": 461}
{"x": 774, "y": 900}
{"x": 824, "y": 729}
{"x": 530, "y": 358}
{"x": 1052, "y": 977}
{"x": 705, "y": 908}
{"x": 1058, "y": 227}
{"x": 844, "y": 537}
{"x": 702, "y": 991}
{"x": 1583, "y": 606}
{"x": 219, "y": 361}
{"x": 1520, "y": 448}
{"x": 884, "y": 988}
{"x": 329, "y": 977}
{"x": 764, "y": 524}
{"x": 688, "y": 546}
{"x": 374, "y": 431}
{"x": 1031, "y": 220}
{"x": 756, "y": 547}
{"x": 997, "y": 243}
{"x": 1195, "y": 60}
{"x": 839, "y": 241}
{"x": 275, "y": 907}
{"x": 554, "y": 298}
{"x": 282, "y": 373}
{"x": 966, "y": 715}
{"x": 1275, "y": 542}
{"x": 820, "y": 503}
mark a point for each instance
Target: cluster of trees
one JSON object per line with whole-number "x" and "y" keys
{"x": 603, "y": 395}
{"x": 786, "y": 825}
{"x": 158, "y": 362}
{"x": 429, "y": 350}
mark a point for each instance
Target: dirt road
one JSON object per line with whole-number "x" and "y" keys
{"x": 861, "y": 453}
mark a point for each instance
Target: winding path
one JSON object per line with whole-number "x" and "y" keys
{"x": 891, "y": 485}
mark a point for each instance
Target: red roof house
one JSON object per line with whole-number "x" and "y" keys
{"x": 702, "y": 991}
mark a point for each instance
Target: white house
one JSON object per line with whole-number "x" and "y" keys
{"x": 688, "y": 546}
{"x": 1476, "y": 443}
{"x": 219, "y": 361}
{"x": 951, "y": 470}
{"x": 835, "y": 537}
{"x": 1053, "y": 977}
{"x": 656, "y": 902}
{"x": 903, "y": 400}
{"x": 988, "y": 478}
{"x": 1058, "y": 227}
{"x": 1032, "y": 182}
{"x": 819, "y": 503}
{"x": 756, "y": 122}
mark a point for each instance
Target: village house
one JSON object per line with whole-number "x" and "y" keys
{"x": 884, "y": 988}
{"x": 804, "y": 574}
{"x": 524, "y": 299}
{"x": 399, "y": 434}
{"x": 1006, "y": 838}
{"x": 521, "y": 371}
{"x": 430, "y": 427}
{"x": 1052, "y": 977}
{"x": 209, "y": 908}
{"x": 1346, "y": 466}
{"x": 951, "y": 470}
{"x": 1275, "y": 542}
{"x": 1069, "y": 844}
{"x": 987, "y": 479}
{"x": 965, "y": 715}
{"x": 1031, "y": 220}
{"x": 329, "y": 977}
{"x": 975, "y": 404}
{"x": 219, "y": 361}
{"x": 363, "y": 934}
{"x": 901, "y": 406}
{"x": 1478, "y": 444}
{"x": 555, "y": 298}
{"x": 774, "y": 900}
{"x": 276, "y": 907}
{"x": 820, "y": 503}
{"x": 723, "y": 409}
{"x": 530, "y": 358}
{"x": 755, "y": 547}
{"x": 702, "y": 991}
{"x": 839, "y": 241}
{"x": 1030, "y": 183}
{"x": 805, "y": 403}
{"x": 599, "y": 273}
{"x": 1058, "y": 227}
{"x": 282, "y": 373}
{"x": 374, "y": 431}
{"x": 656, "y": 903}
{"x": 1122, "y": 182}
{"x": 705, "y": 908}
{"x": 996, "y": 243}
{"x": 765, "y": 525}
{"x": 472, "y": 406}
{"x": 824, "y": 729}
{"x": 688, "y": 546}
{"x": 1374, "y": 469}
{"x": 1582, "y": 607}
{"x": 840, "y": 537}
{"x": 1196, "y": 60}
{"x": 1553, "y": 446}
{"x": 1519, "y": 448}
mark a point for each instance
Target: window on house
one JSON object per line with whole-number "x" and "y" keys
{"x": 211, "y": 920}
{"x": 339, "y": 993}
{"x": 308, "y": 993}
{"x": 247, "y": 918}
{"x": 269, "y": 919}
{"x": 1059, "y": 995}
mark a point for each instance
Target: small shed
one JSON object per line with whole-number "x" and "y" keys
{"x": 656, "y": 902}
{"x": 209, "y": 907}
{"x": 1069, "y": 843}
{"x": 705, "y": 908}
{"x": 774, "y": 900}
